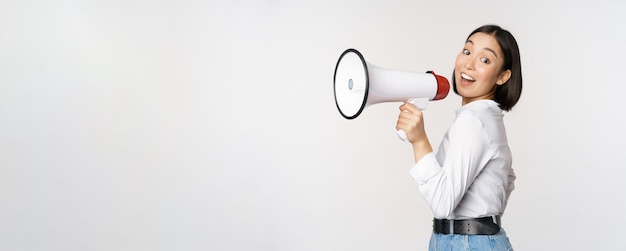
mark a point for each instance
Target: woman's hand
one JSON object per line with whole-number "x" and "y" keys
{"x": 411, "y": 120}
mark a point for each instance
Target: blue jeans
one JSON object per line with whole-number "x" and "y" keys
{"x": 457, "y": 242}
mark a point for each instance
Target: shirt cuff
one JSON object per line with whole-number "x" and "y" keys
{"x": 425, "y": 168}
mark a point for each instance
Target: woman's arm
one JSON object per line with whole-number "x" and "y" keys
{"x": 444, "y": 182}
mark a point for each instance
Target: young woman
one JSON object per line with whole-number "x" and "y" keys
{"x": 467, "y": 182}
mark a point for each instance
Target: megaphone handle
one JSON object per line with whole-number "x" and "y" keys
{"x": 402, "y": 135}
{"x": 421, "y": 103}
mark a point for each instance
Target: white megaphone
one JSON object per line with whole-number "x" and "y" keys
{"x": 358, "y": 84}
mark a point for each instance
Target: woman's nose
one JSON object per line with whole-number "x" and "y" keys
{"x": 469, "y": 63}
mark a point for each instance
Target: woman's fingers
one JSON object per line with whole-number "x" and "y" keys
{"x": 410, "y": 107}
{"x": 410, "y": 120}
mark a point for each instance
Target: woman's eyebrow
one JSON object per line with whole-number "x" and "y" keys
{"x": 492, "y": 51}
{"x": 486, "y": 48}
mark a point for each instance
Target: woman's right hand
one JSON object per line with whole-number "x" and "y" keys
{"x": 411, "y": 120}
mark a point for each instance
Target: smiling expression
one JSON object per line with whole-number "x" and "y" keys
{"x": 478, "y": 68}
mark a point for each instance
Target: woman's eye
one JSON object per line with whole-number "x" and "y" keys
{"x": 466, "y": 51}
{"x": 485, "y": 60}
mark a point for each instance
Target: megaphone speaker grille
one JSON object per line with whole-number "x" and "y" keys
{"x": 351, "y": 84}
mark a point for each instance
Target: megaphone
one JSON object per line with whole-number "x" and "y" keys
{"x": 358, "y": 84}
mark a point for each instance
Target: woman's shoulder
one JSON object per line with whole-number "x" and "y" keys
{"x": 483, "y": 116}
{"x": 481, "y": 113}
{"x": 480, "y": 108}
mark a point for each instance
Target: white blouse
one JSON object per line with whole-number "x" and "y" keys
{"x": 470, "y": 176}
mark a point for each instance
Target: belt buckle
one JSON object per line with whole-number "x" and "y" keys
{"x": 451, "y": 226}
{"x": 496, "y": 219}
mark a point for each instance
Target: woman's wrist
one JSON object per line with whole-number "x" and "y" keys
{"x": 421, "y": 148}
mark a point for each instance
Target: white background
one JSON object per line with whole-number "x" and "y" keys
{"x": 211, "y": 125}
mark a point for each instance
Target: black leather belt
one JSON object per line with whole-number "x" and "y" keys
{"x": 479, "y": 226}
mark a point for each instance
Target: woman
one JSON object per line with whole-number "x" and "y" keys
{"x": 468, "y": 181}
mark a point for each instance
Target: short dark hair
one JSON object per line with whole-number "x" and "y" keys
{"x": 508, "y": 93}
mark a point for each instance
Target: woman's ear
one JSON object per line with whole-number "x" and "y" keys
{"x": 504, "y": 77}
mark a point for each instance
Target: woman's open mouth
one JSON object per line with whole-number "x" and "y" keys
{"x": 467, "y": 77}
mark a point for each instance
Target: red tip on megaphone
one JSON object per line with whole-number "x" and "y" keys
{"x": 443, "y": 86}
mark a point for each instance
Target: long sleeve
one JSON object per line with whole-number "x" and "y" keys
{"x": 443, "y": 185}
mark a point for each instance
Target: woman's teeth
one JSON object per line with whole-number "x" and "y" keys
{"x": 467, "y": 77}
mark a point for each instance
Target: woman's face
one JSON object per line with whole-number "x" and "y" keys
{"x": 478, "y": 68}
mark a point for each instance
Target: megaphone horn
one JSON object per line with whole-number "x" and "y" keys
{"x": 358, "y": 84}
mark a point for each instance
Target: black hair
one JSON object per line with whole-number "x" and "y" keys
{"x": 507, "y": 94}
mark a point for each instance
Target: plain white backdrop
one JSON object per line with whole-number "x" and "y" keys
{"x": 211, "y": 125}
